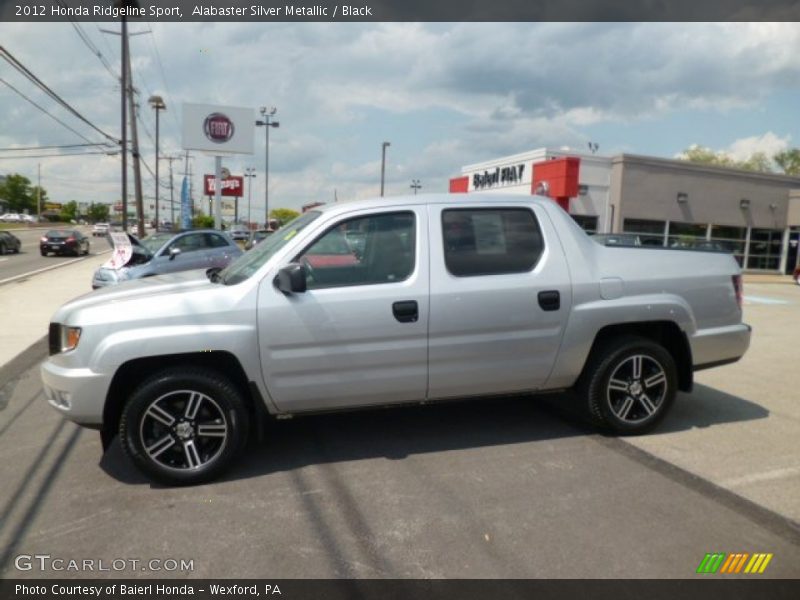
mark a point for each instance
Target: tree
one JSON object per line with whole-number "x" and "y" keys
{"x": 706, "y": 156}
{"x": 98, "y": 212}
{"x": 284, "y": 215}
{"x": 16, "y": 190}
{"x": 202, "y": 221}
{"x": 789, "y": 161}
{"x": 757, "y": 161}
{"x": 69, "y": 211}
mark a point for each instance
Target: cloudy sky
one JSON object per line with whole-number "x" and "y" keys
{"x": 444, "y": 95}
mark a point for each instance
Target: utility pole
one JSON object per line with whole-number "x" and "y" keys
{"x": 39, "y": 192}
{"x": 171, "y": 190}
{"x": 137, "y": 170}
{"x": 125, "y": 89}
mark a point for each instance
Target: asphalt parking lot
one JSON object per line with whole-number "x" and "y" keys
{"x": 510, "y": 488}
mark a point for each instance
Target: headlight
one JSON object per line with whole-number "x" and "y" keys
{"x": 62, "y": 338}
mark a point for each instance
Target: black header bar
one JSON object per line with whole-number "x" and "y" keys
{"x": 401, "y": 10}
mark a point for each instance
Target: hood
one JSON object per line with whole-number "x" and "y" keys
{"x": 148, "y": 288}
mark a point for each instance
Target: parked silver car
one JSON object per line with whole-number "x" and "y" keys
{"x": 168, "y": 252}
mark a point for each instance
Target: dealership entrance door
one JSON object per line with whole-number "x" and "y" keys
{"x": 794, "y": 246}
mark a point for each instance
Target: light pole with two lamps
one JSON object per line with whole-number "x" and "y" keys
{"x": 249, "y": 172}
{"x": 157, "y": 102}
{"x": 266, "y": 123}
{"x": 383, "y": 163}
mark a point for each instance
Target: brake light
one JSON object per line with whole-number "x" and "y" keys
{"x": 70, "y": 239}
{"x": 737, "y": 288}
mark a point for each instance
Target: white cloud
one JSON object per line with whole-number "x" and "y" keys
{"x": 506, "y": 87}
{"x": 769, "y": 144}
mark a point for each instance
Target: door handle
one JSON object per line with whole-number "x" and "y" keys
{"x": 550, "y": 300}
{"x": 406, "y": 311}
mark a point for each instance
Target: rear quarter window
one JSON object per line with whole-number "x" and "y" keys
{"x": 491, "y": 241}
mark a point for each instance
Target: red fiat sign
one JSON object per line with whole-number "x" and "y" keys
{"x": 218, "y": 128}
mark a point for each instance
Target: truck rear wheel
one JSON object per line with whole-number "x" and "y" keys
{"x": 184, "y": 426}
{"x": 629, "y": 385}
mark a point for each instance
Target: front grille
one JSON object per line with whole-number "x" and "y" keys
{"x": 54, "y": 338}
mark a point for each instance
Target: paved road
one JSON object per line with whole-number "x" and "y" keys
{"x": 29, "y": 259}
{"x": 497, "y": 488}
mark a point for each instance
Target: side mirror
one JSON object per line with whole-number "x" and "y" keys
{"x": 173, "y": 252}
{"x": 291, "y": 279}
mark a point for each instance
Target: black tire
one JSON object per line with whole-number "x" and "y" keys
{"x": 2, "y": 248}
{"x": 43, "y": 253}
{"x": 616, "y": 397}
{"x": 176, "y": 453}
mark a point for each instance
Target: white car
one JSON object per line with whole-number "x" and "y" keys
{"x": 100, "y": 229}
{"x": 11, "y": 218}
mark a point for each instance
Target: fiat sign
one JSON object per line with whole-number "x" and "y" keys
{"x": 218, "y": 130}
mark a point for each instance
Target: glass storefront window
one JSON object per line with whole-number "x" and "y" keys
{"x": 586, "y": 222}
{"x": 733, "y": 239}
{"x": 765, "y": 249}
{"x": 644, "y": 227}
{"x": 685, "y": 235}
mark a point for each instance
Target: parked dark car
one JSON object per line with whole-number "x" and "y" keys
{"x": 9, "y": 243}
{"x": 64, "y": 241}
{"x": 259, "y": 235}
{"x": 162, "y": 253}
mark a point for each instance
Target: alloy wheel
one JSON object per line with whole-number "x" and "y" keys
{"x": 183, "y": 430}
{"x": 636, "y": 389}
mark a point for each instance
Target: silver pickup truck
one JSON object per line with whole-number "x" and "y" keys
{"x": 390, "y": 301}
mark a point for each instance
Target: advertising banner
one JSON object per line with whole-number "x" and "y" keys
{"x": 122, "y": 251}
{"x": 231, "y": 186}
{"x": 186, "y": 205}
{"x": 218, "y": 130}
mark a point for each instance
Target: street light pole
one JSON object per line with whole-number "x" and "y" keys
{"x": 158, "y": 105}
{"x": 383, "y": 164}
{"x": 267, "y": 115}
{"x": 415, "y": 185}
{"x": 250, "y": 172}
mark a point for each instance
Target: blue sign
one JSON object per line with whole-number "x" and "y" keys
{"x": 186, "y": 206}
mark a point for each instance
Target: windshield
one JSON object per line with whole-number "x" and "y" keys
{"x": 250, "y": 262}
{"x": 153, "y": 242}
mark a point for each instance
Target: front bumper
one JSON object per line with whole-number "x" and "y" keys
{"x": 78, "y": 394}
{"x": 720, "y": 345}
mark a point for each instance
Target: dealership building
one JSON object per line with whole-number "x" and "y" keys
{"x": 666, "y": 202}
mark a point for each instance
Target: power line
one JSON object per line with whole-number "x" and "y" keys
{"x": 39, "y": 83}
{"x": 48, "y": 113}
{"x": 52, "y": 155}
{"x": 163, "y": 75}
{"x": 49, "y": 147}
{"x": 90, "y": 44}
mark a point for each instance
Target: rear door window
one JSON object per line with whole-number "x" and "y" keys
{"x": 490, "y": 241}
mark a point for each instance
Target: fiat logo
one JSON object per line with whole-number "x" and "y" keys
{"x": 218, "y": 128}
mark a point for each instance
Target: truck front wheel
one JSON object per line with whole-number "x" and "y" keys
{"x": 184, "y": 426}
{"x": 629, "y": 384}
